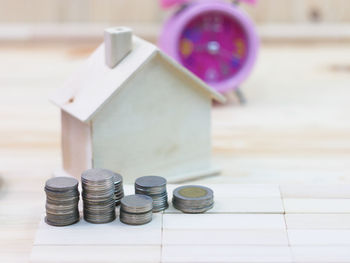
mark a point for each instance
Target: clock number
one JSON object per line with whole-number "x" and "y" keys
{"x": 217, "y": 24}
{"x": 186, "y": 47}
{"x": 240, "y": 48}
{"x": 212, "y": 23}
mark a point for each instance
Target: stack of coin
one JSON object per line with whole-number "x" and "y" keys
{"x": 118, "y": 188}
{"x": 98, "y": 195}
{"x": 155, "y": 187}
{"x": 62, "y": 198}
{"x": 193, "y": 199}
{"x": 136, "y": 209}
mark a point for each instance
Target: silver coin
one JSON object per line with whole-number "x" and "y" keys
{"x": 160, "y": 202}
{"x": 193, "y": 192}
{"x": 62, "y": 223}
{"x": 118, "y": 188}
{"x": 154, "y": 187}
{"x": 193, "y": 198}
{"x": 150, "y": 181}
{"x": 61, "y": 183}
{"x": 192, "y": 203}
{"x": 54, "y": 217}
{"x": 117, "y": 179}
{"x": 99, "y": 207}
{"x": 136, "y": 203}
{"x": 62, "y": 198}
{"x": 190, "y": 210}
{"x": 135, "y": 219}
{"x": 60, "y": 207}
{"x": 98, "y": 195}
{"x": 119, "y": 195}
{"x": 60, "y": 191}
{"x": 97, "y": 175}
{"x": 103, "y": 195}
{"x": 102, "y": 218}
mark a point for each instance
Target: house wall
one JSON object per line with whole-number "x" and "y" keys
{"x": 156, "y": 124}
{"x": 76, "y": 145}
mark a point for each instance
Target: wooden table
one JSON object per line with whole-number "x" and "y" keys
{"x": 295, "y": 127}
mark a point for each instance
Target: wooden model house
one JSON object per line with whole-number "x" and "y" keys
{"x": 134, "y": 110}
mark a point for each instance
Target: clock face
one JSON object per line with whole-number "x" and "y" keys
{"x": 213, "y": 46}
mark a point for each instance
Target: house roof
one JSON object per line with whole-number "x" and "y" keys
{"x": 86, "y": 91}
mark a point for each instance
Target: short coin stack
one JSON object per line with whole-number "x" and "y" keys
{"x": 98, "y": 195}
{"x": 118, "y": 188}
{"x": 136, "y": 209}
{"x": 193, "y": 199}
{"x": 154, "y": 187}
{"x": 62, "y": 198}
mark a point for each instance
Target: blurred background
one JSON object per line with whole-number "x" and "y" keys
{"x": 293, "y": 128}
{"x": 62, "y": 19}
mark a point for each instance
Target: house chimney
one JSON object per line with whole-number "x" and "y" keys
{"x": 117, "y": 44}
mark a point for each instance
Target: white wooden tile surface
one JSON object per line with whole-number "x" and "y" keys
{"x": 249, "y": 223}
{"x": 341, "y": 191}
{"x": 310, "y": 206}
{"x": 242, "y": 254}
{"x": 321, "y": 254}
{"x": 317, "y": 221}
{"x": 114, "y": 233}
{"x": 326, "y": 237}
{"x": 222, "y": 221}
{"x": 237, "y": 229}
{"x": 271, "y": 237}
{"x": 242, "y": 205}
{"x": 94, "y": 254}
{"x": 246, "y": 190}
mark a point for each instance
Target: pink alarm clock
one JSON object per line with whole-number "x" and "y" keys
{"x": 215, "y": 40}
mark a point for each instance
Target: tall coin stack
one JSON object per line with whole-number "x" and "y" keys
{"x": 136, "y": 209}
{"x": 193, "y": 199}
{"x": 118, "y": 188}
{"x": 98, "y": 195}
{"x": 62, "y": 198}
{"x": 154, "y": 187}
